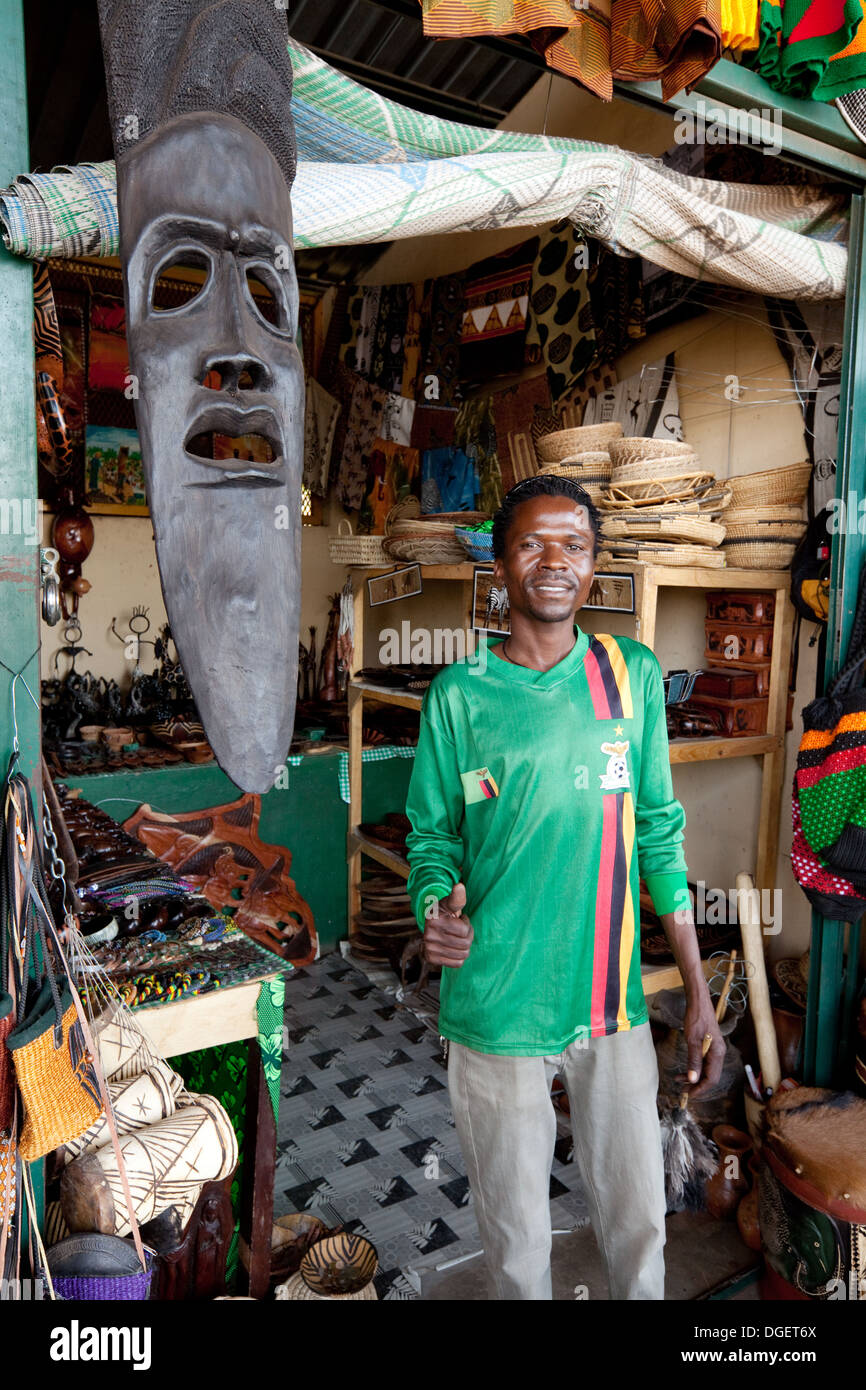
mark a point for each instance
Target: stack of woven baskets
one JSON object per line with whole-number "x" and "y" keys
{"x": 662, "y": 506}
{"x": 427, "y": 539}
{"x": 765, "y": 519}
{"x": 582, "y": 454}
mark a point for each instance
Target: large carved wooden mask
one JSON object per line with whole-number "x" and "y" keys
{"x": 205, "y": 158}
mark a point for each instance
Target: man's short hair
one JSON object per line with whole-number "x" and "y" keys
{"x": 543, "y": 485}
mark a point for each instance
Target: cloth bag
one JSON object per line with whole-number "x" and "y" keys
{"x": 828, "y": 854}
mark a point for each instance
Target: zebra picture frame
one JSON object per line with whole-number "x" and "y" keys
{"x": 490, "y": 610}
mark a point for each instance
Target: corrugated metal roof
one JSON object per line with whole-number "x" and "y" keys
{"x": 378, "y": 42}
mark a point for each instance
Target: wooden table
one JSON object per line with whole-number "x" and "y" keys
{"x": 211, "y": 1020}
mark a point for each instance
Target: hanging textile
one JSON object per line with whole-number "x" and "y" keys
{"x": 432, "y": 427}
{"x": 560, "y": 332}
{"x": 368, "y": 329}
{"x": 320, "y": 423}
{"x": 496, "y": 294}
{"x": 475, "y": 434}
{"x": 676, "y": 42}
{"x": 389, "y": 350}
{"x": 520, "y": 414}
{"x": 646, "y": 404}
{"x": 740, "y": 25}
{"x": 363, "y": 425}
{"x": 440, "y": 372}
{"x": 398, "y": 413}
{"x": 615, "y": 286}
{"x": 449, "y": 482}
{"x": 413, "y": 341}
{"x": 442, "y": 177}
{"x": 350, "y": 325}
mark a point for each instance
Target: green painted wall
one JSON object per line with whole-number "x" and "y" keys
{"x": 308, "y": 816}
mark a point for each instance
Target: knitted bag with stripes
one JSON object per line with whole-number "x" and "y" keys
{"x": 828, "y": 855}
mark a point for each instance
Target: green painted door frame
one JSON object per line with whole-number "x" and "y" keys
{"x": 814, "y": 133}
{"x": 19, "y": 556}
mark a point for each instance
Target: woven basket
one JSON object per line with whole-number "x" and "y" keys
{"x": 704, "y": 556}
{"x": 784, "y": 531}
{"x": 348, "y": 549}
{"x": 679, "y": 487}
{"x": 650, "y": 526}
{"x": 758, "y": 555}
{"x": 425, "y": 550}
{"x": 477, "y": 544}
{"x": 647, "y": 470}
{"x": 786, "y": 485}
{"x": 636, "y": 449}
{"x": 747, "y": 516}
{"x": 562, "y": 444}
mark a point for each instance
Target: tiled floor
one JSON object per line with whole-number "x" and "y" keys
{"x": 366, "y": 1139}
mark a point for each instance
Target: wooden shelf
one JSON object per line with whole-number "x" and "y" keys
{"x": 704, "y": 750}
{"x": 389, "y": 695}
{"x": 388, "y": 858}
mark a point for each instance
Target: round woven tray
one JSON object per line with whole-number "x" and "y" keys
{"x": 758, "y": 555}
{"x": 784, "y": 531}
{"x": 637, "y": 449}
{"x": 680, "y": 487}
{"x": 650, "y": 526}
{"x": 551, "y": 448}
{"x": 707, "y": 557}
{"x": 426, "y": 550}
{"x": 744, "y": 516}
{"x": 786, "y": 485}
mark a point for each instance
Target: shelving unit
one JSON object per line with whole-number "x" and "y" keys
{"x": 648, "y": 581}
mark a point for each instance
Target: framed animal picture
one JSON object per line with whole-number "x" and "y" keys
{"x": 490, "y": 612}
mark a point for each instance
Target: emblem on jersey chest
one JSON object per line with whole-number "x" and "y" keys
{"x": 615, "y": 777}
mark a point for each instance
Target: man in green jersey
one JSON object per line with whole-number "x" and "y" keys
{"x": 541, "y": 794}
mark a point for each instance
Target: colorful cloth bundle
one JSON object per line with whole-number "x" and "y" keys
{"x": 675, "y": 42}
{"x": 812, "y": 48}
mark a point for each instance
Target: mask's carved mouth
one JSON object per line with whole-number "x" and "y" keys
{"x": 238, "y": 447}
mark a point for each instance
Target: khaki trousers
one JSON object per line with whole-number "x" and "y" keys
{"x": 506, "y": 1125}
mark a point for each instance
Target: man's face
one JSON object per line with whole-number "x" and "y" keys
{"x": 204, "y": 190}
{"x": 549, "y": 559}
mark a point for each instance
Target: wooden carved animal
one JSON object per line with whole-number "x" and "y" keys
{"x": 821, "y": 1136}
{"x": 328, "y": 670}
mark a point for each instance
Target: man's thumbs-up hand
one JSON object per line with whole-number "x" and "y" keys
{"x": 447, "y": 931}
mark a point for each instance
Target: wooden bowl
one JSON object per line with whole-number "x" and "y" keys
{"x": 339, "y": 1265}
{"x": 291, "y": 1237}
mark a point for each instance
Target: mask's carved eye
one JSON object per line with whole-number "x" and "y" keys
{"x": 191, "y": 269}
{"x": 267, "y": 295}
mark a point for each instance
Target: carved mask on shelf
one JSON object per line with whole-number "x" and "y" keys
{"x": 202, "y": 188}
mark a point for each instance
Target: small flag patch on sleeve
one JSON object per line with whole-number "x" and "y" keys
{"x": 478, "y": 785}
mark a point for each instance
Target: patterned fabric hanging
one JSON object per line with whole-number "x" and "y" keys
{"x": 561, "y": 332}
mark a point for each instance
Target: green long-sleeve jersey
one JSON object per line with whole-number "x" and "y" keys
{"x": 549, "y": 795}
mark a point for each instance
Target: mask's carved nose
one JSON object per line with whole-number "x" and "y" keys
{"x": 236, "y": 372}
